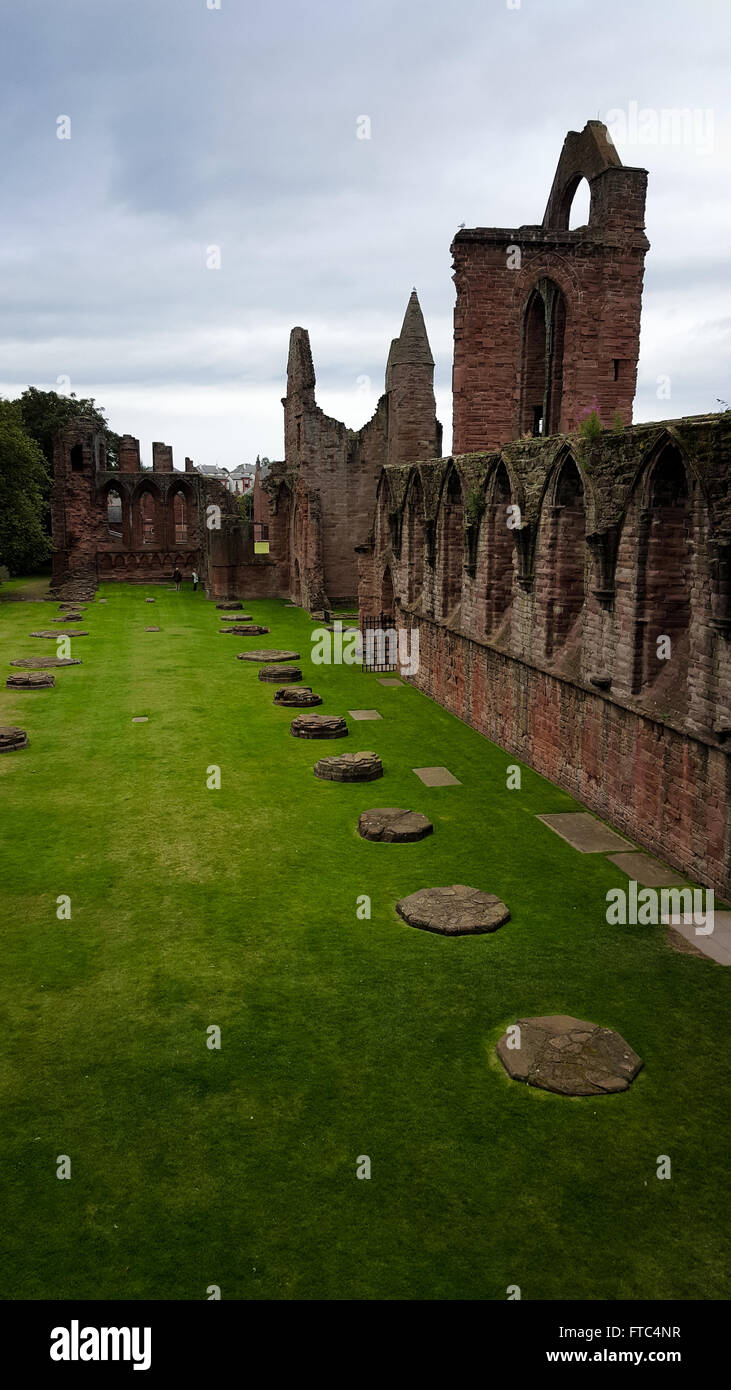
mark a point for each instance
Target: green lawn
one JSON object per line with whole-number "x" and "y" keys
{"x": 340, "y": 1037}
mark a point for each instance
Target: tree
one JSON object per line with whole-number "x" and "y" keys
{"x": 24, "y": 487}
{"x": 43, "y": 412}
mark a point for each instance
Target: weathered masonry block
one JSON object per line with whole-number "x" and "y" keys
{"x": 547, "y": 320}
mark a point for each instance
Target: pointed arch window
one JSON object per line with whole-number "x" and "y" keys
{"x": 544, "y": 331}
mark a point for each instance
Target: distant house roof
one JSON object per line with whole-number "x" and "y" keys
{"x": 210, "y": 470}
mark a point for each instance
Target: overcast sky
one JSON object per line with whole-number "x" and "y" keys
{"x": 196, "y": 127}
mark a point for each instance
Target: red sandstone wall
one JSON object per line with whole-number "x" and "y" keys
{"x": 669, "y": 792}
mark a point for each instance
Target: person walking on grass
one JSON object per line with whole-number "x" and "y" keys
{"x": 177, "y": 578}
{"x": 195, "y": 580}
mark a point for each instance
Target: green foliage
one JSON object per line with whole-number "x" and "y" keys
{"x": 591, "y": 426}
{"x": 474, "y": 506}
{"x": 45, "y": 411}
{"x": 245, "y": 504}
{"x": 617, "y": 421}
{"x": 340, "y": 1036}
{"x": 24, "y": 485}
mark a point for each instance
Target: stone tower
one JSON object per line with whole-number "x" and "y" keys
{"x": 413, "y": 430}
{"x": 547, "y": 320}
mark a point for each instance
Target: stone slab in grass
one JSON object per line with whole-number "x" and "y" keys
{"x": 31, "y": 680}
{"x": 280, "y": 673}
{"x": 230, "y": 605}
{"x": 12, "y": 738}
{"x": 244, "y": 630}
{"x": 565, "y": 1055}
{"x": 584, "y": 832}
{"x": 68, "y": 618}
{"x": 364, "y": 714}
{"x": 297, "y": 696}
{"x": 457, "y": 910}
{"x": 141, "y": 719}
{"x": 39, "y": 663}
{"x": 54, "y": 636}
{"x": 716, "y": 945}
{"x": 350, "y": 767}
{"x": 647, "y": 871}
{"x": 149, "y": 600}
{"x": 152, "y": 629}
{"x": 393, "y": 825}
{"x": 389, "y": 680}
{"x": 436, "y": 777}
{"x": 318, "y": 726}
{"x": 236, "y": 618}
{"x": 264, "y": 656}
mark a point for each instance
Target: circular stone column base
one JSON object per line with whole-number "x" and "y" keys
{"x": 299, "y": 696}
{"x": 68, "y": 618}
{"x": 394, "y": 826}
{"x": 350, "y": 767}
{"x": 230, "y": 606}
{"x": 40, "y": 663}
{"x": 11, "y": 737}
{"x": 318, "y": 726}
{"x": 31, "y": 680}
{"x": 54, "y": 636}
{"x": 245, "y": 630}
{"x": 265, "y": 655}
{"x": 236, "y": 618}
{"x": 280, "y": 673}
{"x": 454, "y": 911}
{"x": 562, "y": 1054}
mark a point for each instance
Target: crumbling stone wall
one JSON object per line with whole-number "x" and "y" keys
{"x": 164, "y": 518}
{"x": 323, "y": 493}
{"x": 547, "y": 320}
{"x": 580, "y": 616}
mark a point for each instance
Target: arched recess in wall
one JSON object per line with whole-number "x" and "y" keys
{"x": 561, "y": 558}
{"x": 383, "y": 505}
{"x": 148, "y": 529}
{"x": 450, "y": 545}
{"x": 298, "y": 556}
{"x": 179, "y": 512}
{"x": 414, "y": 542}
{"x": 543, "y": 337}
{"x": 388, "y": 598}
{"x": 281, "y": 518}
{"x": 114, "y": 509}
{"x": 497, "y": 538}
{"x": 654, "y": 583}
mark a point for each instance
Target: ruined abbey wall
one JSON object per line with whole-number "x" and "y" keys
{"x": 322, "y": 495}
{"x": 573, "y": 603}
{"x": 547, "y": 320}
{"x": 138, "y": 525}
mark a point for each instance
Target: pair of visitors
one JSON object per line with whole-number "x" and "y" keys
{"x": 177, "y": 578}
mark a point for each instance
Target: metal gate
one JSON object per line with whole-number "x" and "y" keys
{"x": 379, "y": 643}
